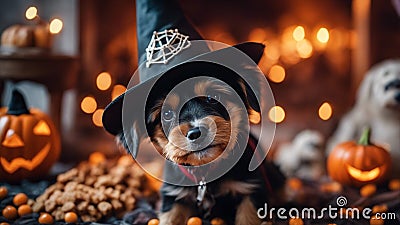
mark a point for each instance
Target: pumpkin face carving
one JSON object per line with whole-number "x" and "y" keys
{"x": 358, "y": 164}
{"x": 29, "y": 143}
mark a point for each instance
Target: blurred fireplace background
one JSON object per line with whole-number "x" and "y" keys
{"x": 306, "y": 65}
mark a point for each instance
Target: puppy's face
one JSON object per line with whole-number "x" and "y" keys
{"x": 386, "y": 85}
{"x": 197, "y": 125}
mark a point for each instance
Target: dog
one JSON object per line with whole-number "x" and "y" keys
{"x": 378, "y": 107}
{"x": 304, "y": 157}
{"x": 203, "y": 124}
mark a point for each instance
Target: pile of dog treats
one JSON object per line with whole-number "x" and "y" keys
{"x": 94, "y": 190}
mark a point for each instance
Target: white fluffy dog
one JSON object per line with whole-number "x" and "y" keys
{"x": 378, "y": 107}
{"x": 304, "y": 157}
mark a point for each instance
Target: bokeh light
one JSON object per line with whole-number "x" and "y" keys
{"x": 276, "y": 114}
{"x": 103, "y": 81}
{"x": 323, "y": 35}
{"x": 31, "y": 13}
{"x": 254, "y": 117}
{"x": 88, "y": 104}
{"x": 298, "y": 33}
{"x": 325, "y": 111}
{"x": 117, "y": 91}
{"x": 304, "y": 48}
{"x": 56, "y": 26}
{"x": 97, "y": 117}
{"x": 277, "y": 74}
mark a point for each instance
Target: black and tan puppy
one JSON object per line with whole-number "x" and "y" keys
{"x": 204, "y": 123}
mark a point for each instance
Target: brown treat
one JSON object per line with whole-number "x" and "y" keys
{"x": 67, "y": 197}
{"x": 82, "y": 206}
{"x": 394, "y": 185}
{"x": 88, "y": 218}
{"x": 68, "y": 176}
{"x": 70, "y": 186}
{"x": 30, "y": 202}
{"x": 71, "y": 217}
{"x": 37, "y": 207}
{"x": 120, "y": 187}
{"x": 20, "y": 199}
{"x": 104, "y": 208}
{"x": 58, "y": 214}
{"x": 56, "y": 195}
{"x": 126, "y": 160}
{"x": 68, "y": 206}
{"x": 368, "y": 190}
{"x": 80, "y": 195}
{"x": 116, "y": 204}
{"x": 49, "y": 205}
{"x": 92, "y": 210}
{"x": 104, "y": 180}
{"x": 45, "y": 218}
{"x": 133, "y": 182}
{"x": 24, "y": 210}
{"x": 97, "y": 197}
{"x": 10, "y": 212}
{"x": 115, "y": 194}
{"x": 108, "y": 192}
{"x": 90, "y": 180}
{"x": 129, "y": 203}
{"x": 3, "y": 192}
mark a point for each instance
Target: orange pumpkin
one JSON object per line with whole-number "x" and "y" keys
{"x": 358, "y": 164}
{"x": 29, "y": 142}
{"x": 37, "y": 35}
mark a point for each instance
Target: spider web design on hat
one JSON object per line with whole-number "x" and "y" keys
{"x": 165, "y": 45}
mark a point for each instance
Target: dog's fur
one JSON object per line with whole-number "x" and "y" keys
{"x": 304, "y": 157}
{"x": 236, "y": 195}
{"x": 377, "y": 107}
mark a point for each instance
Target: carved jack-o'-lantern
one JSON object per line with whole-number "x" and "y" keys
{"x": 359, "y": 163}
{"x": 29, "y": 142}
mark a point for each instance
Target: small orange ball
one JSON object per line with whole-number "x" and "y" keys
{"x": 376, "y": 221}
{"x": 368, "y": 190}
{"x": 194, "y": 221}
{"x": 217, "y": 221}
{"x": 296, "y": 221}
{"x": 4, "y": 223}
{"x": 46, "y": 218}
{"x": 3, "y": 192}
{"x": 20, "y": 199}
{"x": 394, "y": 185}
{"x": 71, "y": 217}
{"x": 153, "y": 222}
{"x": 10, "y": 212}
{"x": 24, "y": 210}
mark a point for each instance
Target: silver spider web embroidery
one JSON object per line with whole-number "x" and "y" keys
{"x": 165, "y": 45}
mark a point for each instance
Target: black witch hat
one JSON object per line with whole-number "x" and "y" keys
{"x": 165, "y": 19}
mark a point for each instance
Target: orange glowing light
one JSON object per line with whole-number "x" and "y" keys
{"x": 117, "y": 91}
{"x": 277, "y": 74}
{"x": 276, "y": 114}
{"x": 31, "y": 13}
{"x": 323, "y": 35}
{"x": 325, "y": 111}
{"x": 272, "y": 51}
{"x": 304, "y": 48}
{"x": 257, "y": 35}
{"x": 96, "y": 158}
{"x": 56, "y": 26}
{"x": 88, "y": 104}
{"x": 298, "y": 33}
{"x": 254, "y": 117}
{"x": 97, "y": 117}
{"x": 103, "y": 81}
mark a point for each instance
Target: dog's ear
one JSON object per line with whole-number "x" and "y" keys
{"x": 130, "y": 140}
{"x": 251, "y": 98}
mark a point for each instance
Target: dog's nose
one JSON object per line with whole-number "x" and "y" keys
{"x": 194, "y": 133}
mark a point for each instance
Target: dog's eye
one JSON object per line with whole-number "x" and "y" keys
{"x": 168, "y": 115}
{"x": 213, "y": 98}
